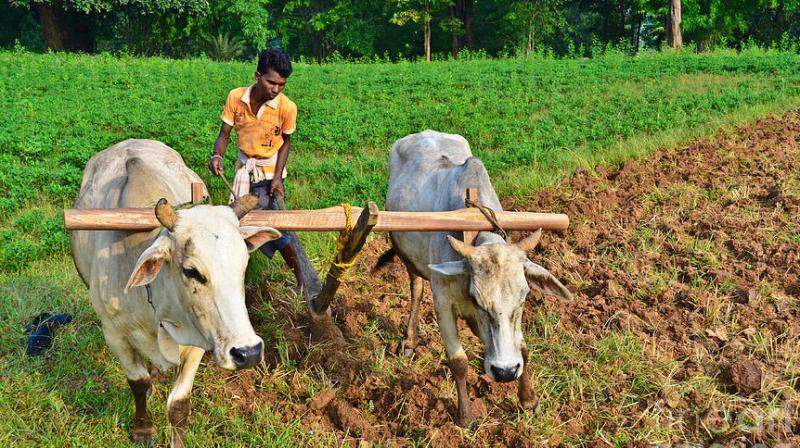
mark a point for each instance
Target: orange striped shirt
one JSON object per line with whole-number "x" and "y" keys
{"x": 259, "y": 135}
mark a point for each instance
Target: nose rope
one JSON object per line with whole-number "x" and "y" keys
{"x": 489, "y": 215}
{"x": 150, "y": 297}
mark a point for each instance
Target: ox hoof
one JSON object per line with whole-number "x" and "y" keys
{"x": 144, "y": 435}
{"x": 528, "y": 402}
{"x": 465, "y": 420}
{"x": 407, "y": 348}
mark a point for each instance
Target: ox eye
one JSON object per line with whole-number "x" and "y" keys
{"x": 194, "y": 274}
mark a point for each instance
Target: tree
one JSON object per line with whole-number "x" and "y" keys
{"x": 318, "y": 28}
{"x": 529, "y": 17}
{"x": 674, "y": 37}
{"x": 710, "y": 22}
{"x": 254, "y": 17}
{"x": 454, "y": 26}
{"x": 418, "y": 11}
{"x": 459, "y": 24}
{"x": 71, "y": 24}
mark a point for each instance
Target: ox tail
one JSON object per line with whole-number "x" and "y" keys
{"x": 385, "y": 259}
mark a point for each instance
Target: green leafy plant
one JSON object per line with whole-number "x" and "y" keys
{"x": 224, "y": 47}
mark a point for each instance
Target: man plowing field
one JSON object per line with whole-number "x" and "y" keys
{"x": 264, "y": 119}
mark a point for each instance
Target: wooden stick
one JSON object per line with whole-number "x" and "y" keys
{"x": 329, "y": 219}
{"x": 366, "y": 222}
{"x": 470, "y": 235}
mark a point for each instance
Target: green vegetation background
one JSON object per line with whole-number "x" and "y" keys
{"x": 532, "y": 121}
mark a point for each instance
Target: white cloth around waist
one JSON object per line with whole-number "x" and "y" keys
{"x": 247, "y": 172}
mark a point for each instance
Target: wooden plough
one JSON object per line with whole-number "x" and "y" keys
{"x": 468, "y": 220}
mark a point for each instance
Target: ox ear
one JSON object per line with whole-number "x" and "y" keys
{"x": 254, "y": 236}
{"x": 150, "y": 262}
{"x": 450, "y": 268}
{"x": 545, "y": 282}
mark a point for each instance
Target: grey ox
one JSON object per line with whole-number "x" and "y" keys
{"x": 485, "y": 284}
{"x": 193, "y": 267}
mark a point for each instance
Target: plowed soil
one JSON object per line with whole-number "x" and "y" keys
{"x": 686, "y": 264}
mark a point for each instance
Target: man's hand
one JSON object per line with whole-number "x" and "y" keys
{"x": 276, "y": 187}
{"x": 215, "y": 164}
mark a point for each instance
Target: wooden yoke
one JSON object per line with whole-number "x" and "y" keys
{"x": 325, "y": 220}
{"x": 469, "y": 220}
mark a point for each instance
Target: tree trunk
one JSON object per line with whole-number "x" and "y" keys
{"x": 456, "y": 42}
{"x": 623, "y": 8}
{"x": 50, "y": 18}
{"x": 427, "y": 41}
{"x": 81, "y": 31}
{"x": 316, "y": 46}
{"x": 427, "y": 32}
{"x": 531, "y": 44}
{"x": 637, "y": 34}
{"x": 675, "y": 38}
{"x": 467, "y": 19}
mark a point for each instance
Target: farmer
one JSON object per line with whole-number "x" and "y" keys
{"x": 264, "y": 119}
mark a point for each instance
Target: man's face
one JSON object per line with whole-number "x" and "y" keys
{"x": 271, "y": 83}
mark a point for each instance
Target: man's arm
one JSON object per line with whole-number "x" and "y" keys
{"x": 276, "y": 186}
{"x": 220, "y": 146}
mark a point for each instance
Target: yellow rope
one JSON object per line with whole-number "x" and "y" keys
{"x": 344, "y": 235}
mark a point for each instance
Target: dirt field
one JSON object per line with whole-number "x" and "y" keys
{"x": 684, "y": 327}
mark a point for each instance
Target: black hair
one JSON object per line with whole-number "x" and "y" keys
{"x": 276, "y": 59}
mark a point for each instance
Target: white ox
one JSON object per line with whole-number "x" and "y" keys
{"x": 193, "y": 267}
{"x": 485, "y": 284}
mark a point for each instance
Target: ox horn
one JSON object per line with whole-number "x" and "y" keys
{"x": 530, "y": 243}
{"x": 166, "y": 214}
{"x": 242, "y": 205}
{"x": 463, "y": 249}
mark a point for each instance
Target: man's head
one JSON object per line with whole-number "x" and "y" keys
{"x": 274, "y": 67}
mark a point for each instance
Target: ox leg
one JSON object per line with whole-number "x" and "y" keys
{"x": 410, "y": 343}
{"x": 178, "y": 400}
{"x": 139, "y": 381}
{"x": 524, "y": 389}
{"x": 456, "y": 358}
{"x": 459, "y": 365}
{"x": 143, "y": 429}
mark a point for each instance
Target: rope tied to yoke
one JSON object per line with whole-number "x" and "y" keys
{"x": 489, "y": 215}
{"x": 344, "y": 236}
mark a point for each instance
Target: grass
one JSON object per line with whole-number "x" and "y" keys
{"x": 532, "y": 122}
{"x": 77, "y": 395}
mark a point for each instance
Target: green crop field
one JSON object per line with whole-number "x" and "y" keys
{"x": 532, "y": 122}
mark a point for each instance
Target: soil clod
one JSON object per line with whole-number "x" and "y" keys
{"x": 746, "y": 377}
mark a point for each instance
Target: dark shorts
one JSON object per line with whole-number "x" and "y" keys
{"x": 266, "y": 202}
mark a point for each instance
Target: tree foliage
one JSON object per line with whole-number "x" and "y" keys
{"x": 325, "y": 29}
{"x": 532, "y": 19}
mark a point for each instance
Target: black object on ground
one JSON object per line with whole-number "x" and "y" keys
{"x": 41, "y": 330}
